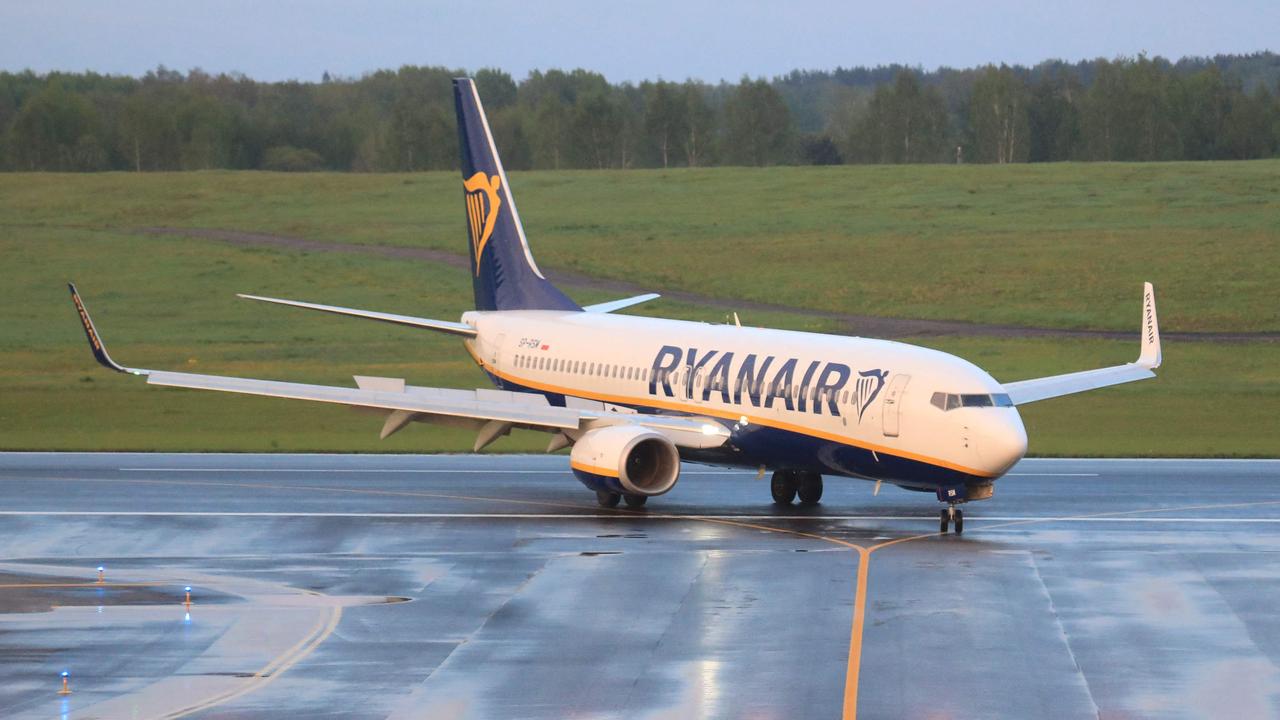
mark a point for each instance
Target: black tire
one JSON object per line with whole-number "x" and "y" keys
{"x": 943, "y": 523}
{"x": 608, "y": 499}
{"x": 635, "y": 501}
{"x": 959, "y": 522}
{"x": 809, "y": 487}
{"x": 783, "y": 487}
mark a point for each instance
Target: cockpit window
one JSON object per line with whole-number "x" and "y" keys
{"x": 951, "y": 401}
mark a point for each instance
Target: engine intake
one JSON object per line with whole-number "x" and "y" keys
{"x": 626, "y": 459}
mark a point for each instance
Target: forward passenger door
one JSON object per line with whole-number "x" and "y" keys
{"x": 892, "y": 403}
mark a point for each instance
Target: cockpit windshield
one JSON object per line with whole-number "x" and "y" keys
{"x": 951, "y": 401}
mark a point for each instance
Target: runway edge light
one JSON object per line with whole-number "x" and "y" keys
{"x": 101, "y": 574}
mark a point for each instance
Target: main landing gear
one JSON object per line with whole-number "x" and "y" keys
{"x": 787, "y": 484}
{"x": 611, "y": 499}
{"x": 951, "y": 515}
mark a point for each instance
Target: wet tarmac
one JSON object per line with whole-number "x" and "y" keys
{"x": 494, "y": 587}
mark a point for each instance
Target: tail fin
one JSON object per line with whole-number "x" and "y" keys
{"x": 505, "y": 275}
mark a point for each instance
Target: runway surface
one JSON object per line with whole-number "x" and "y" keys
{"x": 494, "y": 587}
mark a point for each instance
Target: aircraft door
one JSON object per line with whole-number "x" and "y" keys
{"x": 892, "y": 403}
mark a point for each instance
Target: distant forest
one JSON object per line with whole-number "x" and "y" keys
{"x": 1140, "y": 108}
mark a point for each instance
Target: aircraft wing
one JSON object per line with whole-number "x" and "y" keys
{"x": 1027, "y": 391}
{"x": 492, "y": 412}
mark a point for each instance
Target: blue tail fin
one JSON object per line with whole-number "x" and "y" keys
{"x": 505, "y": 275}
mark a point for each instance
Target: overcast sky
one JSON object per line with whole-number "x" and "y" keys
{"x": 673, "y": 39}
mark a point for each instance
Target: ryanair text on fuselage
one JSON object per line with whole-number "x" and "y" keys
{"x": 732, "y": 379}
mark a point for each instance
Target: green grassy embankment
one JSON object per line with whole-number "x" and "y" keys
{"x": 1058, "y": 246}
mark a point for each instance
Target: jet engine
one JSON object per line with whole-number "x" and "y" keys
{"x": 626, "y": 459}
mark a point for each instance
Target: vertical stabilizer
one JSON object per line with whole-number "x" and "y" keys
{"x": 505, "y": 276}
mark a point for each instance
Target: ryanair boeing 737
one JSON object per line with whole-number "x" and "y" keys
{"x": 634, "y": 396}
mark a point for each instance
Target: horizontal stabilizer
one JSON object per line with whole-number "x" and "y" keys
{"x": 613, "y": 305}
{"x": 444, "y": 326}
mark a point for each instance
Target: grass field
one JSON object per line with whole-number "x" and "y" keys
{"x": 1059, "y": 246}
{"x": 1045, "y": 245}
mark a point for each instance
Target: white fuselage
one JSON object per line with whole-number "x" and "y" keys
{"x": 857, "y": 407}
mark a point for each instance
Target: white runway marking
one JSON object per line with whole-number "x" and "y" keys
{"x": 421, "y": 471}
{"x": 504, "y": 471}
{"x": 622, "y": 515}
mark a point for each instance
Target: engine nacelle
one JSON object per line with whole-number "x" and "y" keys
{"x": 626, "y": 459}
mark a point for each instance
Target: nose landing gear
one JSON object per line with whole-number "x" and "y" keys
{"x": 949, "y": 516}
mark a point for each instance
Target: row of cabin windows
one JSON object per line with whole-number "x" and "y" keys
{"x": 675, "y": 377}
{"x": 581, "y": 367}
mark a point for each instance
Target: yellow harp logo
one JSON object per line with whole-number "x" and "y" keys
{"x": 482, "y": 210}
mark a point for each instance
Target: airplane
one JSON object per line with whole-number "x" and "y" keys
{"x": 633, "y": 396}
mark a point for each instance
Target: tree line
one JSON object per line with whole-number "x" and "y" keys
{"x": 1140, "y": 108}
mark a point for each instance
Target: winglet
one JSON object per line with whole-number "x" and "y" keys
{"x": 95, "y": 341}
{"x": 1151, "y": 356}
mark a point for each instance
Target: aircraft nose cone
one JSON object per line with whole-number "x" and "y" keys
{"x": 1003, "y": 441}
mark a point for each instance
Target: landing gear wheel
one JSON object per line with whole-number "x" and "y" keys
{"x": 608, "y": 499}
{"x": 783, "y": 487}
{"x": 635, "y": 501}
{"x": 951, "y": 515}
{"x": 809, "y": 486}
